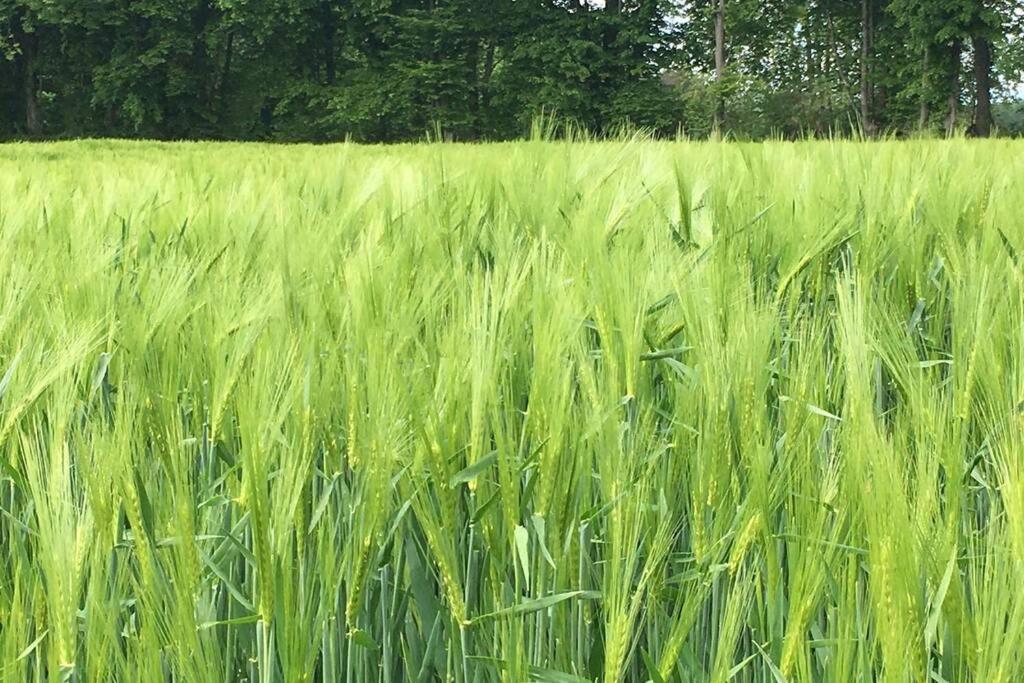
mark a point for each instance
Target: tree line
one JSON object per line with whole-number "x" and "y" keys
{"x": 390, "y": 70}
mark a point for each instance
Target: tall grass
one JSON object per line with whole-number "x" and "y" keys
{"x": 539, "y": 411}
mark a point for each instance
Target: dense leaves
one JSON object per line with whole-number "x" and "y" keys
{"x": 385, "y": 70}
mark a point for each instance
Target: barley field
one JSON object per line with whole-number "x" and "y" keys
{"x": 542, "y": 411}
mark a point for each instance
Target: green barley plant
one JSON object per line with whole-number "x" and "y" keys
{"x": 539, "y": 411}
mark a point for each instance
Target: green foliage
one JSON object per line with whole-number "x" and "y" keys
{"x": 318, "y": 70}
{"x": 391, "y": 70}
{"x": 1010, "y": 117}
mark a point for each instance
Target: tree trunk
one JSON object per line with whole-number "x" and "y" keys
{"x": 29, "y": 45}
{"x": 197, "y": 110}
{"x": 953, "y": 101}
{"x": 225, "y": 74}
{"x": 200, "y": 20}
{"x": 330, "y": 29}
{"x": 830, "y": 55}
{"x": 924, "y": 111}
{"x": 33, "y": 121}
{"x": 489, "y": 62}
{"x": 983, "y": 86}
{"x": 483, "y": 81}
{"x": 720, "y": 63}
{"x": 865, "y": 73}
{"x": 811, "y": 61}
{"x": 474, "y": 50}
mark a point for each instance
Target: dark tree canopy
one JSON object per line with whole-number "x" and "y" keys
{"x": 389, "y": 70}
